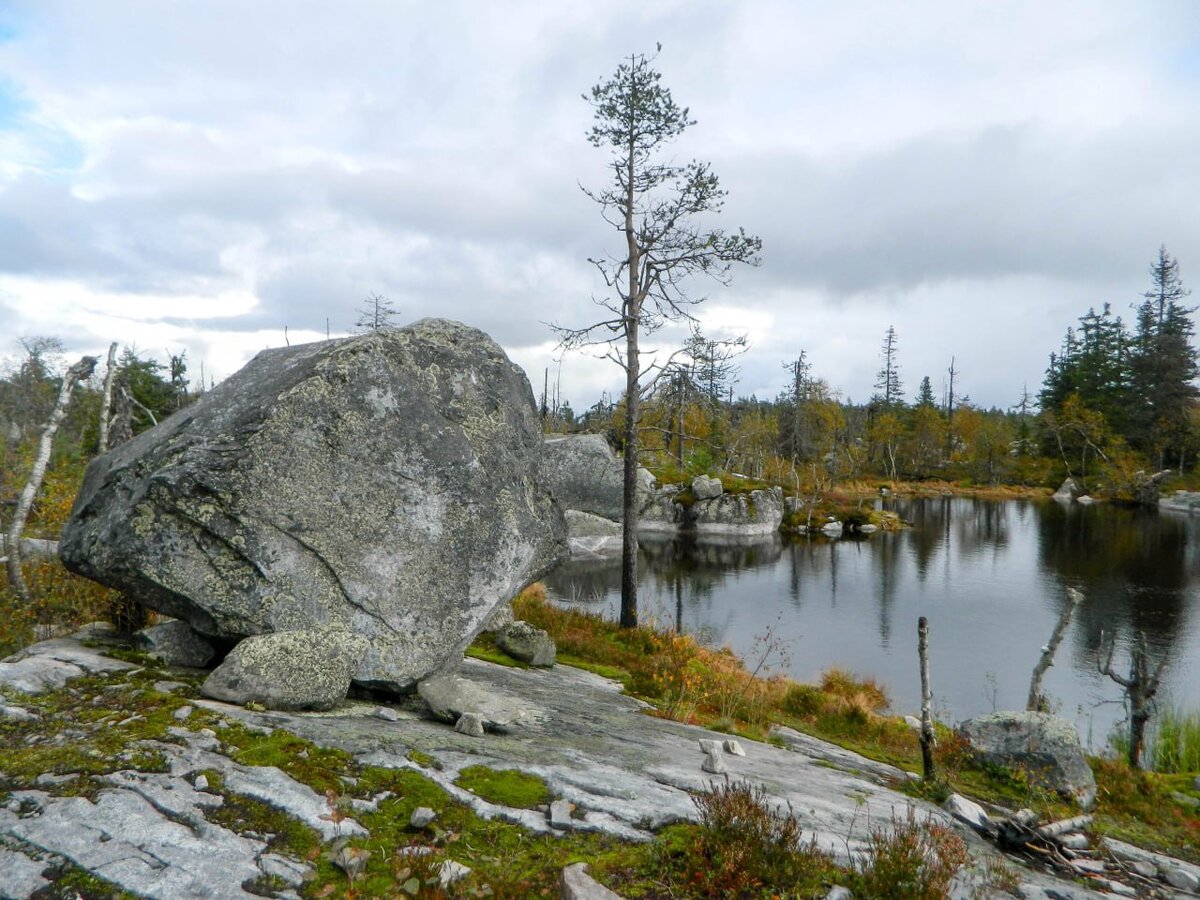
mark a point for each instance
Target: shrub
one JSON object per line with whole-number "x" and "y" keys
{"x": 743, "y": 844}
{"x": 912, "y": 859}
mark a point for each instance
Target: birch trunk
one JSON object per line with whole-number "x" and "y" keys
{"x": 927, "y": 738}
{"x": 78, "y": 372}
{"x": 1036, "y": 702}
{"x": 106, "y": 400}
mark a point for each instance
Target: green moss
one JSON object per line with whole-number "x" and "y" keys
{"x": 484, "y": 647}
{"x": 248, "y": 815}
{"x": 321, "y": 768}
{"x": 505, "y": 787}
{"x": 424, "y": 760}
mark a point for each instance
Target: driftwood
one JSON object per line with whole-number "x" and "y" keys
{"x": 1037, "y": 702}
{"x": 78, "y": 372}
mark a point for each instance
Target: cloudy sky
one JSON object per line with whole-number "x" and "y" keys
{"x": 198, "y": 176}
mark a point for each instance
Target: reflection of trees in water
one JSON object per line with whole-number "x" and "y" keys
{"x": 930, "y": 520}
{"x": 888, "y": 557}
{"x": 1133, "y": 566}
{"x": 981, "y": 525}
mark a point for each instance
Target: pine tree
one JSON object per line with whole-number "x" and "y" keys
{"x": 887, "y": 381}
{"x": 1163, "y": 367}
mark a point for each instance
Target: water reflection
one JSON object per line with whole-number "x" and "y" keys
{"x": 989, "y": 576}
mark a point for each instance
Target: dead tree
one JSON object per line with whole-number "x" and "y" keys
{"x": 1037, "y": 702}
{"x": 1140, "y": 689}
{"x": 77, "y": 373}
{"x": 927, "y": 738}
{"x": 121, "y": 429}
{"x": 106, "y": 399}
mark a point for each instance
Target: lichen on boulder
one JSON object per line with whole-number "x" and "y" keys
{"x": 385, "y": 484}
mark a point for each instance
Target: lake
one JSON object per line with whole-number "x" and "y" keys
{"x": 989, "y": 575}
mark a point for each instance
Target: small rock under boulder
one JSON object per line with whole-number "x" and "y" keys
{"x": 1043, "y": 746}
{"x": 387, "y": 484}
{"x": 525, "y": 642}
{"x": 176, "y": 643}
{"x": 706, "y": 488}
{"x": 289, "y": 670}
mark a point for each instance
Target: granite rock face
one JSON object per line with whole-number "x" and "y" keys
{"x": 385, "y": 484}
{"x": 583, "y": 473}
{"x": 1045, "y": 747}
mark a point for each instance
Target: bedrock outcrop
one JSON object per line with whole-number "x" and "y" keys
{"x": 386, "y": 485}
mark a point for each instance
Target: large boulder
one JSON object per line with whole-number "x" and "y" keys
{"x": 582, "y": 473}
{"x": 385, "y": 484}
{"x": 1045, "y": 748}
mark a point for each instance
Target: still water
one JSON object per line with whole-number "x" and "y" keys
{"x": 990, "y": 577}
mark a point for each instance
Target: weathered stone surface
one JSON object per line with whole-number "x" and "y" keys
{"x": 499, "y": 618}
{"x": 706, "y": 488}
{"x": 1181, "y": 879}
{"x": 592, "y": 536}
{"x": 838, "y": 892}
{"x": 733, "y": 748}
{"x": 177, "y": 643}
{"x": 16, "y": 713}
{"x": 749, "y": 513}
{"x": 582, "y": 473}
{"x": 1068, "y": 490}
{"x": 714, "y": 761}
{"x": 525, "y": 642}
{"x": 421, "y": 817}
{"x": 576, "y": 884}
{"x": 1043, "y": 746}
{"x": 386, "y": 484}
{"x": 20, "y": 876}
{"x": 449, "y": 696}
{"x": 968, "y": 812}
{"x": 51, "y": 664}
{"x": 470, "y": 724}
{"x": 559, "y": 814}
{"x": 288, "y": 670}
{"x": 450, "y": 872}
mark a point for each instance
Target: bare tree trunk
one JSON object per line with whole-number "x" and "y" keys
{"x": 629, "y": 542}
{"x": 106, "y": 399}
{"x": 122, "y": 418}
{"x": 1140, "y": 689}
{"x": 927, "y": 739}
{"x": 1036, "y": 702}
{"x": 78, "y": 372}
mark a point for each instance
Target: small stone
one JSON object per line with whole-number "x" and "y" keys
{"x": 707, "y": 745}
{"x": 1075, "y": 841}
{"x": 47, "y": 779}
{"x": 386, "y": 713}
{"x": 528, "y": 643}
{"x": 421, "y": 817}
{"x": 168, "y": 687}
{"x": 1116, "y": 887}
{"x": 839, "y": 893}
{"x": 733, "y": 748}
{"x": 352, "y": 860}
{"x": 182, "y": 713}
{"x": 17, "y": 714}
{"x": 470, "y": 724}
{"x": 176, "y": 643}
{"x": 560, "y": 814}
{"x": 714, "y": 762}
{"x": 201, "y": 782}
{"x": 913, "y": 722}
{"x": 1182, "y": 879}
{"x": 451, "y": 872}
{"x": 1143, "y": 867}
{"x": 576, "y": 884}
{"x": 968, "y": 812}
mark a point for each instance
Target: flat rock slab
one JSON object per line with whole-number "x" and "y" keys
{"x": 49, "y": 665}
